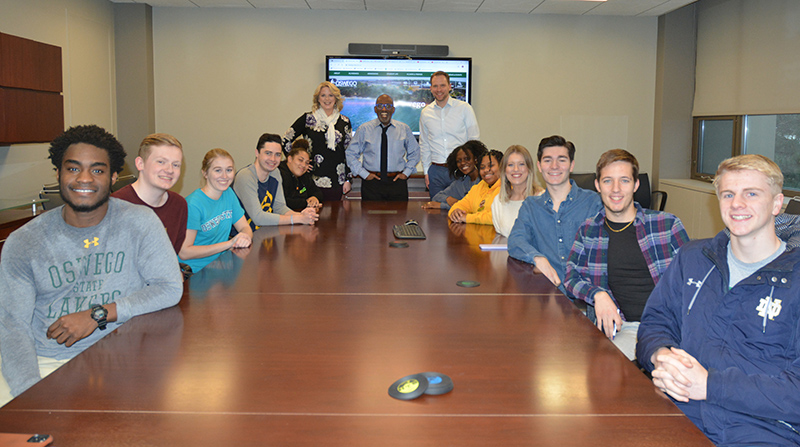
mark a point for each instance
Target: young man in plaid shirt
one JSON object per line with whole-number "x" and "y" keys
{"x": 619, "y": 255}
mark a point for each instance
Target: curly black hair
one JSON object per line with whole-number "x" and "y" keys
{"x": 475, "y": 147}
{"x": 494, "y": 153}
{"x": 89, "y": 134}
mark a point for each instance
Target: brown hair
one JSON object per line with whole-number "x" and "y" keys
{"x": 556, "y": 141}
{"x": 440, "y": 73}
{"x": 299, "y": 145}
{"x": 615, "y": 155}
{"x": 209, "y": 158}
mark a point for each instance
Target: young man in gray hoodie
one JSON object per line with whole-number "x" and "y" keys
{"x": 75, "y": 273}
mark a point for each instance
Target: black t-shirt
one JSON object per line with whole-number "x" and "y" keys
{"x": 628, "y": 276}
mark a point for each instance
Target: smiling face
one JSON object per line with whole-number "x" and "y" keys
{"x": 465, "y": 162}
{"x": 490, "y": 170}
{"x": 298, "y": 163}
{"x": 326, "y": 99}
{"x": 440, "y": 89}
{"x": 162, "y": 168}
{"x": 219, "y": 175}
{"x": 617, "y": 185}
{"x": 747, "y": 203}
{"x": 517, "y": 171}
{"x": 384, "y": 108}
{"x": 85, "y": 178}
{"x": 555, "y": 165}
{"x": 268, "y": 157}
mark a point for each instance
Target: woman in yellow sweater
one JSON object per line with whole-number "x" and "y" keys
{"x": 476, "y": 206}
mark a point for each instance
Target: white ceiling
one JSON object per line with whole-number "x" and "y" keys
{"x": 570, "y": 7}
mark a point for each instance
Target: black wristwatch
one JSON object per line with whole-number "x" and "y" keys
{"x": 99, "y": 314}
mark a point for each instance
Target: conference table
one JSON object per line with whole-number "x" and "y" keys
{"x": 296, "y": 341}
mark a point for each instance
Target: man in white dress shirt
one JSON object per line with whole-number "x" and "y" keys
{"x": 444, "y": 124}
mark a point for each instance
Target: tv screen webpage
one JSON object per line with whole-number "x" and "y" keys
{"x": 362, "y": 79}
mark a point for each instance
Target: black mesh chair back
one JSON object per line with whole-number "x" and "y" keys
{"x": 655, "y": 200}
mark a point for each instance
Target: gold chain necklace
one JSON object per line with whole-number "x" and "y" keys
{"x": 621, "y": 229}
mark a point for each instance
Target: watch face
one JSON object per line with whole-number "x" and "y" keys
{"x": 99, "y": 313}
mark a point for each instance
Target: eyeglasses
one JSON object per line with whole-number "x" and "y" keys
{"x": 384, "y": 106}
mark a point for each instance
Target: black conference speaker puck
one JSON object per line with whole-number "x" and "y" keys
{"x": 438, "y": 383}
{"x": 398, "y": 244}
{"x": 409, "y": 387}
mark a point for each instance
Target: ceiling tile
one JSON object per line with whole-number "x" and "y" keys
{"x": 222, "y": 3}
{"x": 625, "y": 7}
{"x": 394, "y": 5}
{"x": 162, "y": 3}
{"x": 284, "y": 4}
{"x": 564, "y": 7}
{"x": 337, "y": 4}
{"x": 509, "y": 6}
{"x": 451, "y": 5}
{"x": 666, "y": 7}
{"x": 569, "y": 7}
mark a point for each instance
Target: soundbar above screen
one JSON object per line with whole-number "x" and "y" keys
{"x": 362, "y": 79}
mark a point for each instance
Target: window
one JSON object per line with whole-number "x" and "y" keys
{"x": 775, "y": 136}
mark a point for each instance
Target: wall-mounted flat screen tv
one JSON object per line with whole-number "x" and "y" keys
{"x": 362, "y": 79}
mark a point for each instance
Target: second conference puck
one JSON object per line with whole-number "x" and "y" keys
{"x": 409, "y": 387}
{"x": 438, "y": 383}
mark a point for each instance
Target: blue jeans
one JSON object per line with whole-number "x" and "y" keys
{"x": 438, "y": 179}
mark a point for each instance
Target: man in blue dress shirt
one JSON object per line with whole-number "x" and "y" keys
{"x": 384, "y": 153}
{"x": 546, "y": 225}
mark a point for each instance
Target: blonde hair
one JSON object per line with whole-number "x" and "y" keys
{"x": 334, "y": 90}
{"x": 531, "y": 186}
{"x": 754, "y": 162}
{"x": 210, "y": 157}
{"x": 157, "y": 139}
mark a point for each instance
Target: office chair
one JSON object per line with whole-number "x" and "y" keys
{"x": 51, "y": 192}
{"x": 654, "y": 200}
{"x": 793, "y": 207}
{"x": 122, "y": 182}
{"x": 584, "y": 180}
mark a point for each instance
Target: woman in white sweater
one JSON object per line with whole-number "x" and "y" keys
{"x": 518, "y": 182}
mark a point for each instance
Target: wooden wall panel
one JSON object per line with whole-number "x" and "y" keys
{"x": 28, "y": 116}
{"x": 28, "y": 64}
{"x": 31, "y": 105}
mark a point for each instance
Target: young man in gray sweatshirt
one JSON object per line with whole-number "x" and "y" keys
{"x": 75, "y": 273}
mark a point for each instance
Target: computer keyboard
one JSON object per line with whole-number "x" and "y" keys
{"x": 408, "y": 232}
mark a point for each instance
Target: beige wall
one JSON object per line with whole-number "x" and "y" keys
{"x": 747, "y": 57}
{"x": 696, "y": 204}
{"x": 672, "y": 141}
{"x": 136, "y": 118}
{"x": 84, "y": 29}
{"x": 223, "y": 77}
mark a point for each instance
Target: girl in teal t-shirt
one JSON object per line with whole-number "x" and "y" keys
{"x": 213, "y": 210}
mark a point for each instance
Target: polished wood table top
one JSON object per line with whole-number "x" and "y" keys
{"x": 297, "y": 340}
